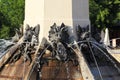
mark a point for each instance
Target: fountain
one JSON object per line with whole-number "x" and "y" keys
{"x": 67, "y": 51}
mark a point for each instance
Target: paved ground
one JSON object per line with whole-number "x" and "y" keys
{"x": 115, "y": 53}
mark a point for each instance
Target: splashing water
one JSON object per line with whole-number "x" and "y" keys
{"x": 67, "y": 71}
{"x": 4, "y": 46}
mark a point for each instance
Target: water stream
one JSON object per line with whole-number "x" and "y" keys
{"x": 67, "y": 71}
{"x": 107, "y": 68}
{"x": 115, "y": 65}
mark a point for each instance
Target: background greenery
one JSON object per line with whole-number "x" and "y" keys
{"x": 103, "y": 13}
{"x": 11, "y": 16}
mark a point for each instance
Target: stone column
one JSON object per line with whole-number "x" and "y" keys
{"x": 47, "y": 12}
{"x": 34, "y": 14}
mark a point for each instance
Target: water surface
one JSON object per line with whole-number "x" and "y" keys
{"x": 4, "y": 46}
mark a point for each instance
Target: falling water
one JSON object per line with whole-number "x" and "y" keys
{"x": 115, "y": 65}
{"x": 4, "y": 46}
{"x": 67, "y": 71}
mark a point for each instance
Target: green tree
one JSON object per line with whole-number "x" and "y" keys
{"x": 104, "y": 13}
{"x": 11, "y": 16}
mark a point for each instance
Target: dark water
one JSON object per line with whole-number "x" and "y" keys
{"x": 4, "y": 46}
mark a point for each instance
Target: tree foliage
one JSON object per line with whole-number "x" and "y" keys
{"x": 11, "y": 16}
{"x": 104, "y": 13}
